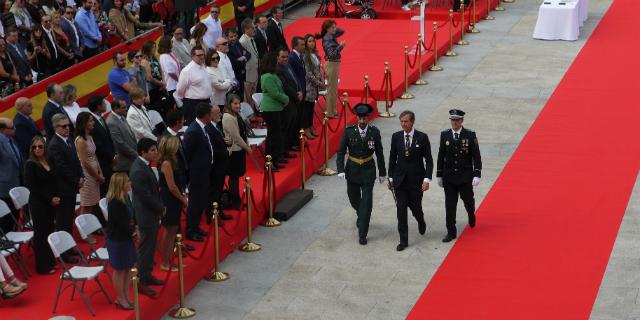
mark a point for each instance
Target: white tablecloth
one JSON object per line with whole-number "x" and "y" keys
{"x": 558, "y": 21}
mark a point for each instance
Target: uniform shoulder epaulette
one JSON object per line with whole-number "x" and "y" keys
{"x": 445, "y": 130}
{"x": 352, "y": 126}
{"x": 374, "y": 127}
{"x": 470, "y": 130}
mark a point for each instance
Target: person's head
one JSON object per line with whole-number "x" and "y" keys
{"x": 215, "y": 11}
{"x": 169, "y": 146}
{"x": 277, "y": 13}
{"x": 231, "y": 34}
{"x": 38, "y": 149}
{"x": 178, "y": 33}
{"x": 70, "y": 94}
{"x": 6, "y": 127}
{"x": 87, "y": 4}
{"x": 119, "y": 107}
{"x": 134, "y": 57}
{"x": 297, "y": 43}
{"x": 136, "y": 95}
{"x": 84, "y": 124}
{"x": 216, "y": 114}
{"x": 197, "y": 55}
{"x": 310, "y": 43}
{"x": 12, "y": 35}
{"x": 36, "y": 34}
{"x": 96, "y": 105}
{"x": 283, "y": 56}
{"x": 174, "y": 119}
{"x": 328, "y": 26}
{"x": 119, "y": 59}
{"x": 69, "y": 12}
{"x": 268, "y": 63}
{"x": 149, "y": 49}
{"x": 148, "y": 149}
{"x": 199, "y": 30}
{"x": 203, "y": 112}
{"x": 362, "y": 111}
{"x": 248, "y": 28}
{"x": 95, "y": 6}
{"x": 119, "y": 187}
{"x": 6, "y": 5}
{"x": 55, "y": 19}
{"x": 233, "y": 104}
{"x": 118, "y": 4}
{"x": 212, "y": 59}
{"x": 165, "y": 45}
{"x": 46, "y": 22}
{"x": 262, "y": 22}
{"x": 24, "y": 106}
{"x": 55, "y": 93}
{"x": 407, "y": 118}
{"x": 222, "y": 45}
{"x": 61, "y": 124}
{"x": 457, "y": 118}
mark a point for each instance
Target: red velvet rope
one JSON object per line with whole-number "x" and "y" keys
{"x": 415, "y": 56}
{"x": 166, "y": 278}
{"x": 237, "y": 224}
{"x": 339, "y": 123}
{"x": 204, "y": 248}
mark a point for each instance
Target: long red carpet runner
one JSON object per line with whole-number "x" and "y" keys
{"x": 546, "y": 229}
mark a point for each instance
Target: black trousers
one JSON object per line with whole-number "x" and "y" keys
{"x": 408, "y": 196}
{"x": 274, "y": 134}
{"x": 146, "y": 249}
{"x": 65, "y": 212}
{"x": 451, "y": 193}
{"x": 291, "y": 126}
{"x": 307, "y": 109}
{"x": 361, "y": 199}
{"x": 215, "y": 189}
{"x": 189, "y": 108}
{"x": 43, "y": 226}
{"x": 456, "y": 4}
{"x": 198, "y": 203}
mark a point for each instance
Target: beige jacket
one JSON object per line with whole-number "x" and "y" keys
{"x": 231, "y": 130}
{"x": 251, "y": 68}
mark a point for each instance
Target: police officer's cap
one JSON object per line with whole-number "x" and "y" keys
{"x": 363, "y": 109}
{"x": 455, "y": 114}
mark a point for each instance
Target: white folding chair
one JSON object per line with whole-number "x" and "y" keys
{"x": 257, "y": 98}
{"x": 104, "y": 208}
{"x": 60, "y": 242}
{"x": 14, "y": 236}
{"x": 17, "y": 239}
{"x": 87, "y": 224}
{"x": 155, "y": 117}
{"x": 20, "y": 198}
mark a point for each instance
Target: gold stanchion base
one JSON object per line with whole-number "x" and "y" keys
{"x": 508, "y": 1}
{"x": 250, "y": 247}
{"x": 499, "y": 8}
{"x": 474, "y": 29}
{"x": 420, "y": 82}
{"x": 463, "y": 42}
{"x": 451, "y": 53}
{"x": 182, "y": 313}
{"x": 406, "y": 95}
{"x": 271, "y": 222}
{"x": 325, "y": 172}
{"x": 436, "y": 68}
{"x": 489, "y": 18}
{"x": 217, "y": 276}
{"x": 388, "y": 114}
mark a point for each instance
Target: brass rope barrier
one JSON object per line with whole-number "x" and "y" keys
{"x": 462, "y": 42}
{"x": 302, "y": 169}
{"x": 271, "y": 221}
{"x": 249, "y": 246}
{"x": 406, "y": 94}
{"x": 420, "y": 81}
{"x": 388, "y": 100}
{"x": 215, "y": 275}
{"x": 435, "y": 66}
{"x": 450, "y": 52}
{"x": 345, "y": 101}
{"x": 181, "y": 312}
{"x": 473, "y": 24}
{"x": 326, "y": 171}
{"x": 489, "y": 16}
{"x": 136, "y": 295}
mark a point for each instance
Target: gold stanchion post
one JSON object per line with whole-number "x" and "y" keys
{"x": 302, "y": 171}
{"x": 345, "y": 101}
{"x": 489, "y": 16}
{"x": 450, "y": 52}
{"x": 435, "y": 66}
{"x": 474, "y": 29}
{"x": 271, "y": 221}
{"x": 215, "y": 275}
{"x": 181, "y": 312}
{"x": 406, "y": 94}
{"x": 366, "y": 88}
{"x": 136, "y": 297}
{"x": 387, "y": 92}
{"x": 249, "y": 246}
{"x": 326, "y": 171}
{"x": 420, "y": 81}
{"x": 462, "y": 42}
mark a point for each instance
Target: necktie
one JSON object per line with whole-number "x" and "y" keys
{"x": 15, "y": 152}
{"x": 253, "y": 44}
{"x": 407, "y": 142}
{"x": 280, "y": 28}
{"x": 209, "y": 142}
{"x": 456, "y": 136}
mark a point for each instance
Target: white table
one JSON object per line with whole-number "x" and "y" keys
{"x": 561, "y": 19}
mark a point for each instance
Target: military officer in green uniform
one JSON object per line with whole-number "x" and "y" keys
{"x": 458, "y": 170}
{"x": 361, "y": 141}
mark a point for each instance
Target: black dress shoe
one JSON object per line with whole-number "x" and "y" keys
{"x": 289, "y": 155}
{"x": 422, "y": 227}
{"x": 188, "y": 247}
{"x": 448, "y": 238}
{"x": 195, "y": 238}
{"x": 472, "y": 220}
{"x": 295, "y": 148}
{"x": 363, "y": 241}
{"x": 145, "y": 290}
{"x": 152, "y": 281}
{"x": 225, "y": 216}
{"x": 401, "y": 247}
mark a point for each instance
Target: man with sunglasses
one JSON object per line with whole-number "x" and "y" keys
{"x": 72, "y": 30}
{"x": 194, "y": 85}
{"x": 214, "y": 27}
{"x": 10, "y": 169}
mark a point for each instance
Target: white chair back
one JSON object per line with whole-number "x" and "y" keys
{"x": 246, "y": 111}
{"x": 104, "y": 208}
{"x": 257, "y": 98}
{"x": 87, "y": 224}
{"x": 60, "y": 242}
{"x": 155, "y": 117}
{"x": 19, "y": 196}
{"x": 4, "y": 209}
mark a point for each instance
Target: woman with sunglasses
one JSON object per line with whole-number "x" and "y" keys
{"x": 40, "y": 179}
{"x": 220, "y": 81}
{"x": 39, "y": 55}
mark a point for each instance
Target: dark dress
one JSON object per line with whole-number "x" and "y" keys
{"x": 42, "y": 186}
{"x": 122, "y": 250}
{"x": 173, "y": 204}
{"x": 41, "y": 64}
{"x": 6, "y": 84}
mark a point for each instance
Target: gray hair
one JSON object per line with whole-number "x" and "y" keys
{"x": 412, "y": 116}
{"x": 57, "y": 118}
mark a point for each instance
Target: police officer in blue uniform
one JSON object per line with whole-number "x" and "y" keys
{"x": 458, "y": 170}
{"x": 361, "y": 141}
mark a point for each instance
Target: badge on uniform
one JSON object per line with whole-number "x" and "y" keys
{"x": 465, "y": 145}
{"x": 446, "y": 143}
{"x": 372, "y": 144}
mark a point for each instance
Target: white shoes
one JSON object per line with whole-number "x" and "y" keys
{"x": 406, "y": 7}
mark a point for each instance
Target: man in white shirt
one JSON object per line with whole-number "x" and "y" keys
{"x": 222, "y": 46}
{"x": 214, "y": 27}
{"x": 194, "y": 84}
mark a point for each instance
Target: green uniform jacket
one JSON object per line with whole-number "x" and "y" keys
{"x": 359, "y": 148}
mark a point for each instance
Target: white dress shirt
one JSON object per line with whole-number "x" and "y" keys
{"x": 220, "y": 84}
{"x": 214, "y": 31}
{"x": 225, "y": 64}
{"x": 194, "y": 82}
{"x": 169, "y": 64}
{"x": 453, "y": 132}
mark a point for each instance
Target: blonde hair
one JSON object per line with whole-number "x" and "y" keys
{"x": 168, "y": 149}
{"x": 118, "y": 187}
{"x": 136, "y": 93}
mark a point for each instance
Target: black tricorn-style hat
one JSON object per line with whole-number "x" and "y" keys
{"x": 363, "y": 109}
{"x": 455, "y": 114}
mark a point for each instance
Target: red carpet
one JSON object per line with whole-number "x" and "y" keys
{"x": 546, "y": 229}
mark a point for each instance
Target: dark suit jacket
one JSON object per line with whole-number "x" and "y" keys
{"x": 275, "y": 38}
{"x": 198, "y": 155}
{"x": 289, "y": 84}
{"x": 145, "y": 195}
{"x": 23, "y": 68}
{"x": 220, "y": 152}
{"x": 413, "y": 168}
{"x": 105, "y": 150}
{"x": 297, "y": 66}
{"x": 26, "y": 129}
{"x": 48, "y": 112}
{"x": 261, "y": 44}
{"x": 459, "y": 161}
{"x": 68, "y": 30}
{"x": 182, "y": 160}
{"x": 64, "y": 159}
{"x": 55, "y": 60}
{"x": 235, "y": 52}
{"x": 10, "y": 167}
{"x": 248, "y": 13}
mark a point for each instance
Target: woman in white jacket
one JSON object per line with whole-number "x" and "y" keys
{"x": 221, "y": 83}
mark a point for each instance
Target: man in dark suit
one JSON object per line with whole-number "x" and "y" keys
{"x": 221, "y": 154}
{"x": 49, "y": 39}
{"x": 53, "y": 106}
{"x": 26, "y": 128}
{"x": 105, "y": 150}
{"x": 290, "y": 113}
{"x": 261, "y": 35}
{"x": 72, "y": 30}
{"x": 238, "y": 56}
{"x": 410, "y": 170}
{"x": 243, "y": 9}
{"x": 10, "y": 170}
{"x": 458, "y": 170}
{"x": 124, "y": 140}
{"x": 19, "y": 57}
{"x": 63, "y": 159}
{"x": 148, "y": 208}
{"x": 275, "y": 30}
{"x": 199, "y": 153}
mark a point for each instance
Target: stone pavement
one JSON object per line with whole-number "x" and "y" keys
{"x": 312, "y": 266}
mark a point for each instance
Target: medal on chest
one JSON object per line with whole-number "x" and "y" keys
{"x": 372, "y": 144}
{"x": 465, "y": 145}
